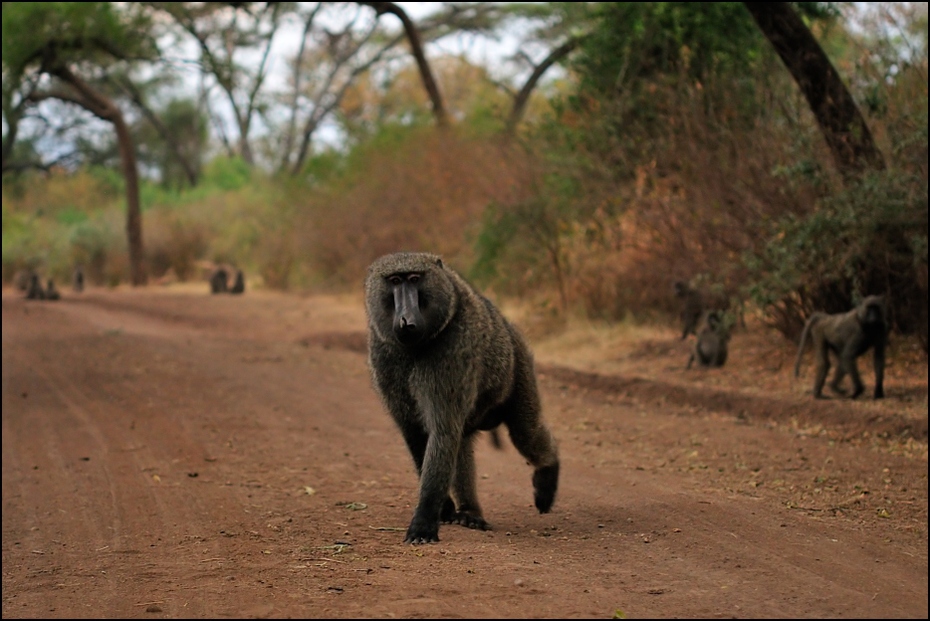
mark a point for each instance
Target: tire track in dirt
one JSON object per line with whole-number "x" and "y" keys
{"x": 655, "y": 514}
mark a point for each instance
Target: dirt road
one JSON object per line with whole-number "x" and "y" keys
{"x": 167, "y": 453}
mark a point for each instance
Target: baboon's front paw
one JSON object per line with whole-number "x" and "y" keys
{"x": 419, "y": 534}
{"x": 545, "y": 483}
{"x": 879, "y": 393}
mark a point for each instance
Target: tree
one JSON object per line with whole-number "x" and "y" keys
{"x": 837, "y": 114}
{"x": 67, "y": 41}
{"x": 416, "y": 47}
{"x": 223, "y": 32}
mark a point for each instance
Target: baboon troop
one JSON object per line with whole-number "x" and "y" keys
{"x": 34, "y": 290}
{"x": 238, "y": 283}
{"x": 710, "y": 347}
{"x": 847, "y": 335}
{"x": 219, "y": 281}
{"x": 33, "y": 286}
{"x": 51, "y": 293}
{"x": 446, "y": 364}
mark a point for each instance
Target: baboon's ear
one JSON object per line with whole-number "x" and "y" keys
{"x": 439, "y": 262}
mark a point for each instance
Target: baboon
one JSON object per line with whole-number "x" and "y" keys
{"x": 713, "y": 336}
{"x": 218, "y": 280}
{"x": 239, "y": 283}
{"x": 446, "y": 364}
{"x": 51, "y": 293}
{"x": 22, "y": 279}
{"x": 77, "y": 279}
{"x": 848, "y": 335}
{"x": 35, "y": 290}
{"x": 692, "y": 305}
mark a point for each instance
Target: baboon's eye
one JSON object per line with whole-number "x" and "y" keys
{"x": 395, "y": 280}
{"x": 414, "y": 278}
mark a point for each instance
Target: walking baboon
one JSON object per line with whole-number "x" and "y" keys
{"x": 51, "y": 293}
{"x": 239, "y": 283}
{"x": 218, "y": 280}
{"x": 77, "y": 279}
{"x": 447, "y": 364}
{"x": 713, "y": 336}
{"x": 35, "y": 290}
{"x": 848, "y": 335}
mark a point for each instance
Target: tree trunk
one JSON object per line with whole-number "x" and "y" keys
{"x": 523, "y": 97}
{"x": 416, "y": 46}
{"x": 104, "y": 108}
{"x": 840, "y": 120}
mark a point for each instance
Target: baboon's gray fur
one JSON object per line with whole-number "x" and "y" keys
{"x": 848, "y": 335}
{"x": 713, "y": 337}
{"x": 238, "y": 283}
{"x": 447, "y": 364}
{"x": 218, "y": 280}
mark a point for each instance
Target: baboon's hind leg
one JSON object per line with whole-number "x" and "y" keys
{"x": 532, "y": 439}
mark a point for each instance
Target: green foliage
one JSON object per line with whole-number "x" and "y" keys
{"x": 77, "y": 30}
{"x": 861, "y": 241}
{"x": 227, "y": 173}
{"x": 637, "y": 41}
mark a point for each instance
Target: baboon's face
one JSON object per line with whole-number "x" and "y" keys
{"x": 405, "y": 302}
{"x": 872, "y": 312}
{"x": 410, "y": 297}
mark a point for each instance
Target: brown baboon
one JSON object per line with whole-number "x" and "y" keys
{"x": 35, "y": 290}
{"x": 218, "y": 280}
{"x": 713, "y": 336}
{"x": 51, "y": 293}
{"x": 239, "y": 283}
{"x": 848, "y": 335}
{"x": 447, "y": 364}
{"x": 77, "y": 279}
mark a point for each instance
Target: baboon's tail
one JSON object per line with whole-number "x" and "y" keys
{"x": 807, "y": 328}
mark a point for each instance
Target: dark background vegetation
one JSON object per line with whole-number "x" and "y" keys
{"x": 638, "y": 144}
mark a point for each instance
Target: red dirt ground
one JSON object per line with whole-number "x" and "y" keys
{"x": 168, "y": 454}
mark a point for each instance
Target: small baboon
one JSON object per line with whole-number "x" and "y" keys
{"x": 239, "y": 283}
{"x": 446, "y": 364}
{"x": 848, "y": 335}
{"x": 713, "y": 336}
{"x": 51, "y": 293}
{"x": 218, "y": 280}
{"x": 35, "y": 290}
{"x": 77, "y": 279}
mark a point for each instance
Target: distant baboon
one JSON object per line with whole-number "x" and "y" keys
{"x": 239, "y": 283}
{"x": 713, "y": 336}
{"x": 218, "y": 280}
{"x": 22, "y": 279}
{"x": 35, "y": 290}
{"x": 447, "y": 364}
{"x": 848, "y": 335}
{"x": 51, "y": 293}
{"x": 77, "y": 279}
{"x": 692, "y": 305}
